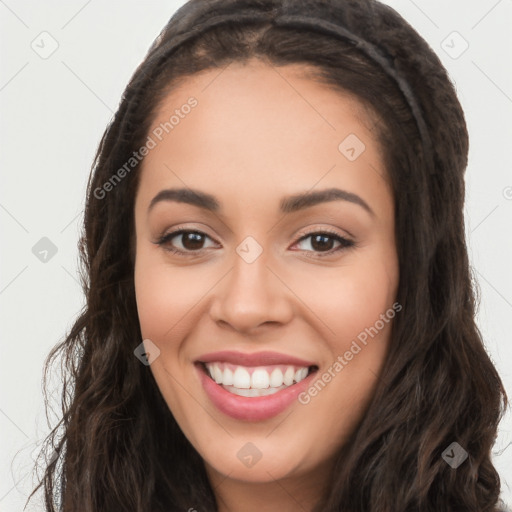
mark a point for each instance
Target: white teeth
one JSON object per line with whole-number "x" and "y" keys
{"x": 300, "y": 374}
{"x": 253, "y": 392}
{"x": 288, "y": 376}
{"x": 217, "y": 374}
{"x": 276, "y": 378}
{"x": 241, "y": 378}
{"x": 227, "y": 380}
{"x": 261, "y": 379}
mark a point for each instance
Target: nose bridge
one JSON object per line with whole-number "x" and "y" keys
{"x": 251, "y": 294}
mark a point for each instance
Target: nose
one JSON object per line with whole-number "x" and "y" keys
{"x": 251, "y": 295}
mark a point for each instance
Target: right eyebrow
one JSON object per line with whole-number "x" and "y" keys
{"x": 188, "y": 196}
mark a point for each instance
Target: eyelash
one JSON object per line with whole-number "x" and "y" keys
{"x": 345, "y": 242}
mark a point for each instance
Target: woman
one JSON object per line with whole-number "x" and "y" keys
{"x": 280, "y": 312}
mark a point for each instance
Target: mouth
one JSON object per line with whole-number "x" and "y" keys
{"x": 253, "y": 387}
{"x": 256, "y": 381}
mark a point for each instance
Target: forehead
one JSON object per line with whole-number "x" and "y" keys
{"x": 256, "y": 128}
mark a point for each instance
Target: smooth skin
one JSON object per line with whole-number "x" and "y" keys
{"x": 260, "y": 133}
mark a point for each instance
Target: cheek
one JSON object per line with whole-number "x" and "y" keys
{"x": 359, "y": 313}
{"x": 165, "y": 295}
{"x": 349, "y": 300}
{"x": 359, "y": 303}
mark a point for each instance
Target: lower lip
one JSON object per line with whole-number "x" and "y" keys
{"x": 251, "y": 408}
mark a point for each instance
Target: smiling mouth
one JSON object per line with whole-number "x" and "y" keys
{"x": 255, "y": 381}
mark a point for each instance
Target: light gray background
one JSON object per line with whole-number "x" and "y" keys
{"x": 53, "y": 112}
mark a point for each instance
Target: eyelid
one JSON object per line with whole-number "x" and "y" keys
{"x": 319, "y": 230}
{"x": 184, "y": 228}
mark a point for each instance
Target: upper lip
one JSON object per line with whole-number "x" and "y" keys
{"x": 265, "y": 358}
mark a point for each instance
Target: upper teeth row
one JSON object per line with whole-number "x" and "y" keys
{"x": 260, "y": 378}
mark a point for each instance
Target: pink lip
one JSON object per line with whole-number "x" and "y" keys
{"x": 255, "y": 359}
{"x": 252, "y": 408}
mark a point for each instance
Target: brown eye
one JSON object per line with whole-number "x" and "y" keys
{"x": 188, "y": 241}
{"x": 192, "y": 240}
{"x": 321, "y": 243}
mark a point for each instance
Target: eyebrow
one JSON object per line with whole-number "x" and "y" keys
{"x": 288, "y": 204}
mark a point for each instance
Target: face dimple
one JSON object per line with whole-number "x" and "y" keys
{"x": 257, "y": 135}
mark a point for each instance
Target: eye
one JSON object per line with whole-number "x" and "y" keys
{"x": 322, "y": 241}
{"x": 191, "y": 241}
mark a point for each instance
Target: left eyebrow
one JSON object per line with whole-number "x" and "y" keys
{"x": 307, "y": 199}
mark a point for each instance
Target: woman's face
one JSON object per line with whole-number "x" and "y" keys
{"x": 270, "y": 284}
